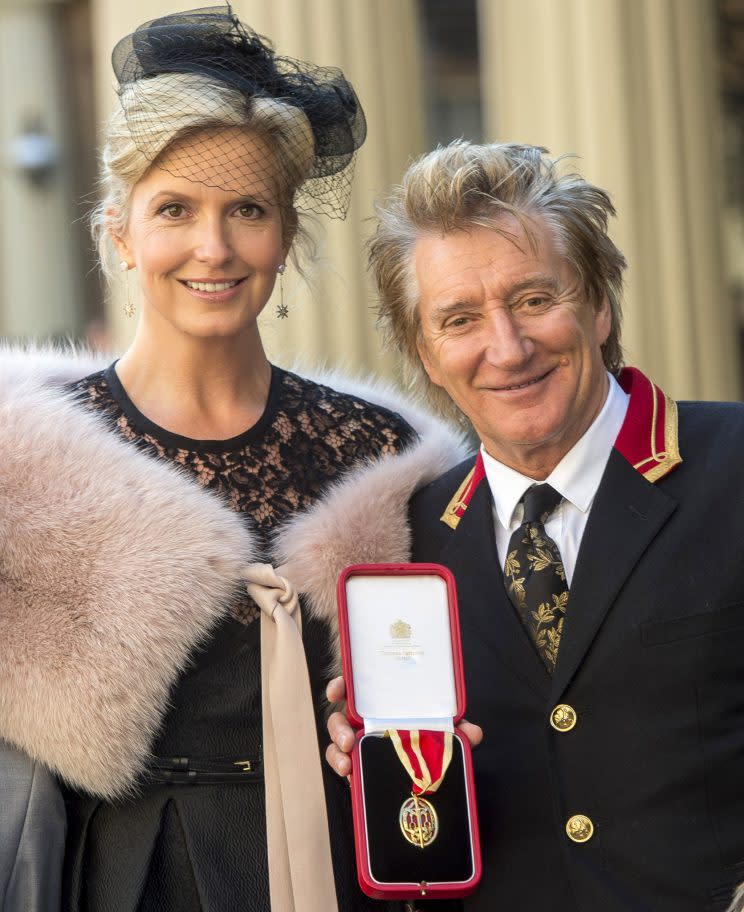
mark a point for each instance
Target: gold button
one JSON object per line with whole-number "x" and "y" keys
{"x": 579, "y": 828}
{"x": 563, "y": 718}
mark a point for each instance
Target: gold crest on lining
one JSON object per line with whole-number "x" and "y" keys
{"x": 400, "y": 630}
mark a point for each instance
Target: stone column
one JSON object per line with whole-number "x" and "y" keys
{"x": 40, "y": 266}
{"x": 376, "y": 44}
{"x": 629, "y": 85}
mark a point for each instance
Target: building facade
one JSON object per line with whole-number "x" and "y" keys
{"x": 639, "y": 90}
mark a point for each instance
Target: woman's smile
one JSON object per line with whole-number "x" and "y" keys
{"x": 213, "y": 289}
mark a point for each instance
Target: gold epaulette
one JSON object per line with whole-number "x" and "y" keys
{"x": 648, "y": 438}
{"x": 459, "y": 503}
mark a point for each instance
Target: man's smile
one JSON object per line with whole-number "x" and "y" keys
{"x": 523, "y": 385}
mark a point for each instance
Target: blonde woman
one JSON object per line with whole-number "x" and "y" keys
{"x": 132, "y": 660}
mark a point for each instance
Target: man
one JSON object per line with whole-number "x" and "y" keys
{"x": 595, "y": 540}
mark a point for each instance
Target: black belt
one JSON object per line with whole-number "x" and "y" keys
{"x": 194, "y": 770}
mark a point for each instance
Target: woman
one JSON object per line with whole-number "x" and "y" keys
{"x": 132, "y": 660}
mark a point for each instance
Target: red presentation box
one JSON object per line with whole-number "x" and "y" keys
{"x": 402, "y": 662}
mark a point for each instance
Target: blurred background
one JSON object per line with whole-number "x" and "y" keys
{"x": 649, "y": 94}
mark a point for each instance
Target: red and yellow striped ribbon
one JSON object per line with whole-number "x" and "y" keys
{"x": 425, "y": 756}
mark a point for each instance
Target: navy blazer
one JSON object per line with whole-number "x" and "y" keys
{"x": 652, "y": 662}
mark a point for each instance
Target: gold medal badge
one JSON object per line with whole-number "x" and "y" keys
{"x": 418, "y": 821}
{"x": 425, "y": 756}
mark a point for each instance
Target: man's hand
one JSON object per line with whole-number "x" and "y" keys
{"x": 342, "y": 734}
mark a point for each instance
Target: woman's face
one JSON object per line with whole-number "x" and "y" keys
{"x": 206, "y": 258}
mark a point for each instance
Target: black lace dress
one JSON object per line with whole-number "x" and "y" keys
{"x": 201, "y": 847}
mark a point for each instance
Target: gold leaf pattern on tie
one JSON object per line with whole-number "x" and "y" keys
{"x": 541, "y": 558}
{"x": 516, "y": 587}
{"x": 545, "y": 614}
{"x": 511, "y": 567}
{"x": 536, "y": 583}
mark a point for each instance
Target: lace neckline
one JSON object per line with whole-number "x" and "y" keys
{"x": 141, "y": 424}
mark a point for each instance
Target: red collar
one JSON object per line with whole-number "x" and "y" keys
{"x": 647, "y": 439}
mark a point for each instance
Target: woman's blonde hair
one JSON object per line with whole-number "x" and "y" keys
{"x": 156, "y": 112}
{"x": 463, "y": 186}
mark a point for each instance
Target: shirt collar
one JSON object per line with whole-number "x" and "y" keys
{"x": 577, "y": 475}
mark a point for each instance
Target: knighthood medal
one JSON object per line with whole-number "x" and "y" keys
{"x": 425, "y": 756}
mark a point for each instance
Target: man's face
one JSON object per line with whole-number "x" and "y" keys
{"x": 508, "y": 334}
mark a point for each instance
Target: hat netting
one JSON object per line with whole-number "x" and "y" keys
{"x": 214, "y": 72}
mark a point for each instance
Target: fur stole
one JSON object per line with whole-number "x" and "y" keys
{"x": 114, "y": 566}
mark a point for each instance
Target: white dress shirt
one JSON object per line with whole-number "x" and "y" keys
{"x": 576, "y": 478}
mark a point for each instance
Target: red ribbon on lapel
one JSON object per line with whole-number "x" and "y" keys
{"x": 459, "y": 503}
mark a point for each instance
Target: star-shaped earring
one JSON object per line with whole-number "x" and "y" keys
{"x": 282, "y": 310}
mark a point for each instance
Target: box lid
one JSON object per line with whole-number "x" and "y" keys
{"x": 401, "y": 652}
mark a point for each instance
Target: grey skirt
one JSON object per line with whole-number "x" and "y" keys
{"x": 32, "y": 835}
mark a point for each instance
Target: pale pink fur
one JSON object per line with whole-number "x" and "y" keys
{"x": 112, "y": 567}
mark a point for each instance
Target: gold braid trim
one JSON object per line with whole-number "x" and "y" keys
{"x": 670, "y": 457}
{"x": 451, "y": 517}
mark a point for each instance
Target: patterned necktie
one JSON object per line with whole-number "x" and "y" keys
{"x": 534, "y": 574}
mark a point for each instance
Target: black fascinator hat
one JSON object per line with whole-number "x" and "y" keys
{"x": 213, "y": 44}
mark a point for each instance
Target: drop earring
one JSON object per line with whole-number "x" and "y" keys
{"x": 128, "y": 307}
{"x": 282, "y": 310}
